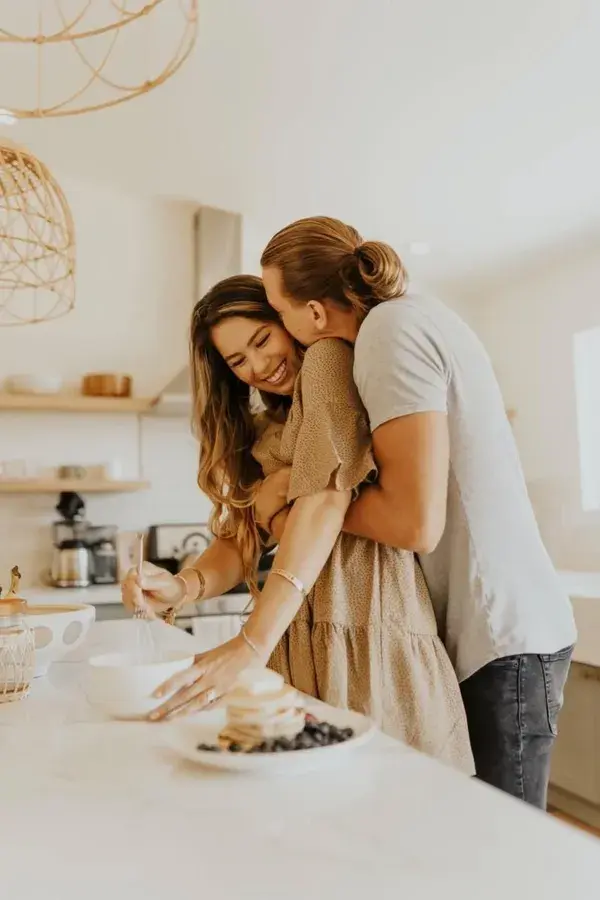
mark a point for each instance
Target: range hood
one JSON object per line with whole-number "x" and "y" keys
{"x": 218, "y": 254}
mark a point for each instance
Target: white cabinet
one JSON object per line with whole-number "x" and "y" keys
{"x": 575, "y": 776}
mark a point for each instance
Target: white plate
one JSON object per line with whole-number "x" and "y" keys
{"x": 204, "y": 729}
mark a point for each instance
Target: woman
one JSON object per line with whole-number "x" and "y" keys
{"x": 450, "y": 486}
{"x": 365, "y": 635}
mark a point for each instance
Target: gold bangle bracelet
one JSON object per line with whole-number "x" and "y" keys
{"x": 201, "y": 585}
{"x": 283, "y": 573}
{"x": 250, "y": 642}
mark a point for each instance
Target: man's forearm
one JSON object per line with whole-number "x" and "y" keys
{"x": 374, "y": 515}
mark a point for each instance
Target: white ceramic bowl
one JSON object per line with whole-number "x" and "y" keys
{"x": 34, "y": 384}
{"x": 58, "y": 629}
{"x": 123, "y": 688}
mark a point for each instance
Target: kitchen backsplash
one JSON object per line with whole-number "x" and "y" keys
{"x": 135, "y": 292}
{"x": 165, "y": 448}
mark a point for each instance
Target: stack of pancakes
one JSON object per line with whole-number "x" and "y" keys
{"x": 261, "y": 708}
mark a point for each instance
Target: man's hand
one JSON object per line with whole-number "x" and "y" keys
{"x": 272, "y": 497}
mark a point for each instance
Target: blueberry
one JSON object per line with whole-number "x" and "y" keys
{"x": 207, "y": 748}
{"x": 347, "y": 733}
{"x": 235, "y": 748}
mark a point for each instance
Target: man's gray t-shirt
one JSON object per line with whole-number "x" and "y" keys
{"x": 493, "y": 586}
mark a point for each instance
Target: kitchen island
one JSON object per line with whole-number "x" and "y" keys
{"x": 99, "y": 809}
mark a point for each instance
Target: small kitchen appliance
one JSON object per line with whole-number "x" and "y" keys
{"x": 102, "y": 544}
{"x": 71, "y": 560}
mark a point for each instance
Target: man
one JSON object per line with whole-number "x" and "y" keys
{"x": 450, "y": 487}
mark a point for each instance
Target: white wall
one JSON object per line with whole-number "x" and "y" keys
{"x": 134, "y": 292}
{"x": 134, "y": 296}
{"x": 527, "y": 324}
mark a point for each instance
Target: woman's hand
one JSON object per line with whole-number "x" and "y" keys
{"x": 212, "y": 675}
{"x": 272, "y": 496}
{"x": 155, "y": 592}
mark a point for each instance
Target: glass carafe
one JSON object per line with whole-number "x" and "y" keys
{"x": 17, "y": 644}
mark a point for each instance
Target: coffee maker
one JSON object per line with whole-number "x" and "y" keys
{"x": 71, "y": 561}
{"x": 102, "y": 543}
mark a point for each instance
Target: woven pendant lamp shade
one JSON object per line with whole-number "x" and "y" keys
{"x": 77, "y": 56}
{"x": 37, "y": 241}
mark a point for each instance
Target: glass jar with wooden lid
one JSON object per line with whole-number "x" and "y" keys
{"x": 17, "y": 644}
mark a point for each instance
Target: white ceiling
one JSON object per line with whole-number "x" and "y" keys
{"x": 471, "y": 124}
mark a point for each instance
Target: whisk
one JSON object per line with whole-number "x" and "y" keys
{"x": 144, "y": 639}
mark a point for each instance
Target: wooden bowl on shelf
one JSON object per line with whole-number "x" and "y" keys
{"x": 99, "y": 384}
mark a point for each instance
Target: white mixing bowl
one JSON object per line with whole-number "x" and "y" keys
{"x": 123, "y": 688}
{"x": 58, "y": 629}
{"x": 34, "y": 384}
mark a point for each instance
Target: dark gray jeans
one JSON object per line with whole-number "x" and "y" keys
{"x": 512, "y": 707}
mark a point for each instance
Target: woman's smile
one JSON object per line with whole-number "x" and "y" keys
{"x": 259, "y": 352}
{"x": 278, "y": 375}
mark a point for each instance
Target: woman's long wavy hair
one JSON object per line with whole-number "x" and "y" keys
{"x": 223, "y": 419}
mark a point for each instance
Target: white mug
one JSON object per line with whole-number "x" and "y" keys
{"x": 113, "y": 471}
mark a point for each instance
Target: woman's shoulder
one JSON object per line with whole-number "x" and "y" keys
{"x": 328, "y": 353}
{"x": 327, "y": 375}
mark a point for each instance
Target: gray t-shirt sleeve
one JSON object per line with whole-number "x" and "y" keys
{"x": 399, "y": 366}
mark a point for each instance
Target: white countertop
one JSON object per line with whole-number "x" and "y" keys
{"x": 104, "y": 809}
{"x": 584, "y": 590}
{"x": 110, "y": 594}
{"x": 99, "y": 595}
{"x": 581, "y": 584}
{"x": 576, "y": 584}
{"x": 582, "y": 587}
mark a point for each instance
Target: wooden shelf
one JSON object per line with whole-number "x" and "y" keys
{"x": 74, "y": 403}
{"x": 79, "y": 486}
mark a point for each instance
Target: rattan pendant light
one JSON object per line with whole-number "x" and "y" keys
{"x": 77, "y": 56}
{"x": 37, "y": 241}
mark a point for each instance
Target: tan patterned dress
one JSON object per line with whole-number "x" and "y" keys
{"x": 365, "y": 638}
